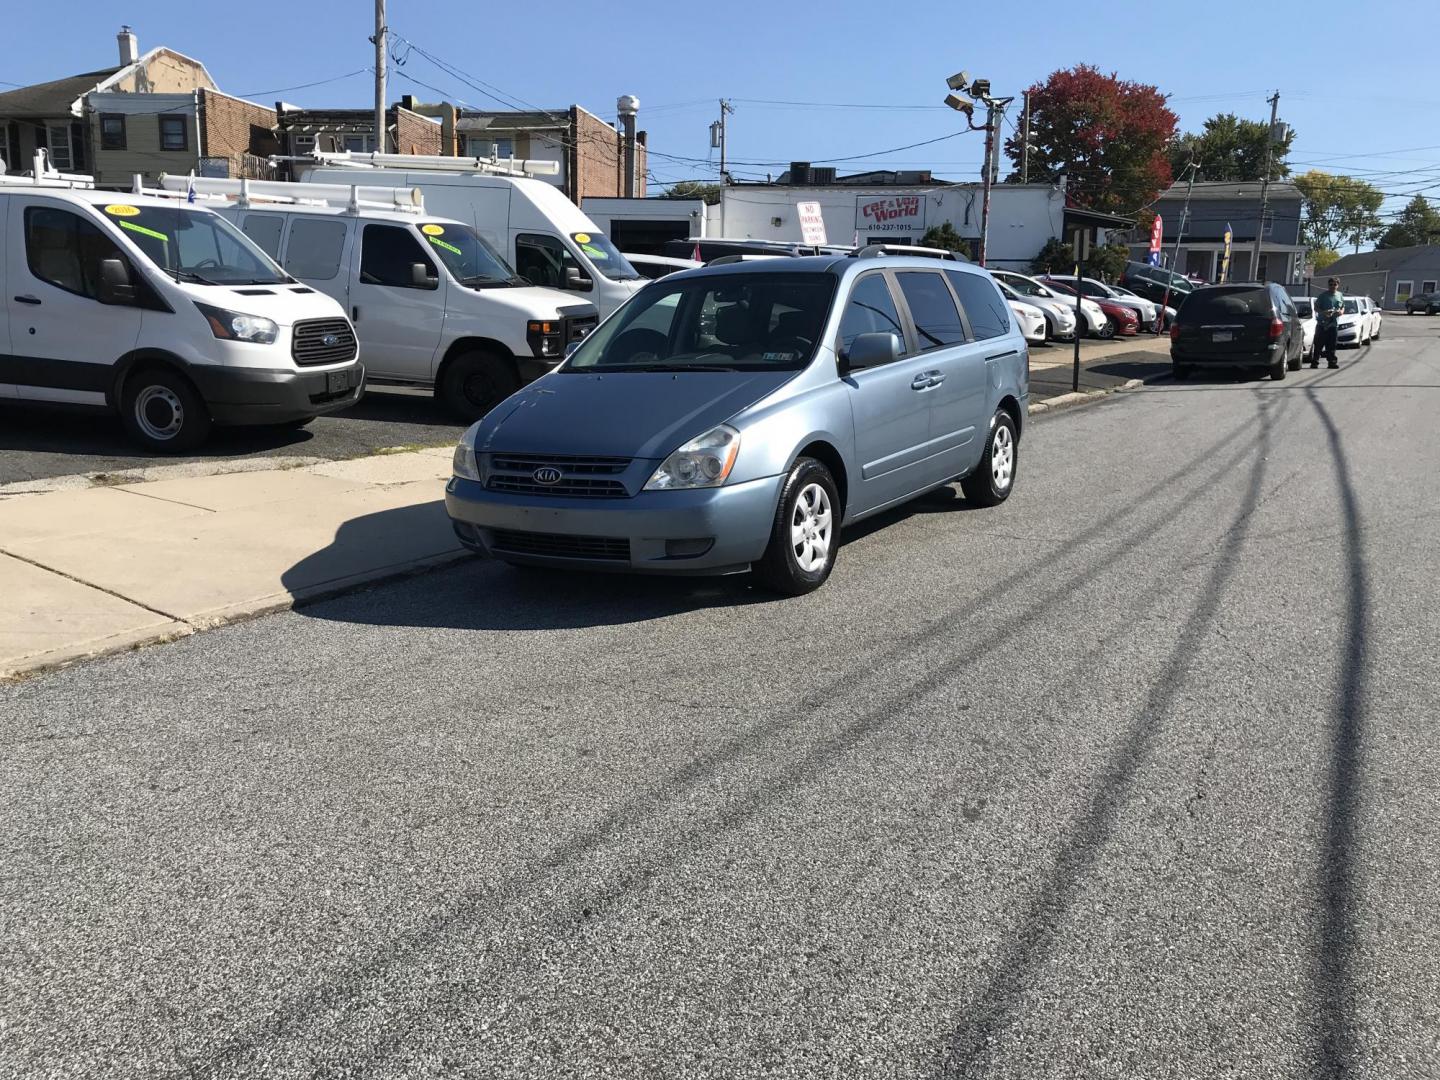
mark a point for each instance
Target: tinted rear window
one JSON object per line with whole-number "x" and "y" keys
{"x": 1234, "y": 303}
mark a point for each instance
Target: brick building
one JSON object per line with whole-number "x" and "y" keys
{"x": 210, "y": 133}
{"x": 589, "y": 151}
{"x": 305, "y": 131}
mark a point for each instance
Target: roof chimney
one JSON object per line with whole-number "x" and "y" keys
{"x": 129, "y": 47}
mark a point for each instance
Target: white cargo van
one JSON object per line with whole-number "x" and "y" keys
{"x": 540, "y": 232}
{"x": 161, "y": 311}
{"x": 433, "y": 304}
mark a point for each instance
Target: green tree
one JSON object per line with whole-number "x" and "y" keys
{"x": 1056, "y": 257}
{"x": 1107, "y": 136}
{"x": 1229, "y": 147}
{"x": 945, "y": 236}
{"x": 1338, "y": 210}
{"x": 1418, "y": 223}
{"x": 694, "y": 189}
{"x": 1320, "y": 258}
{"x": 1107, "y": 263}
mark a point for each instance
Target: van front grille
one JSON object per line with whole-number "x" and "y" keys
{"x": 578, "y": 477}
{"x": 323, "y": 341}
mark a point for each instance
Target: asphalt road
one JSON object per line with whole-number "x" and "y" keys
{"x": 1134, "y": 776}
{"x": 42, "y": 443}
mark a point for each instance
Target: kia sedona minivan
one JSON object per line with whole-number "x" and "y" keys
{"x": 163, "y": 312}
{"x": 1237, "y": 326}
{"x": 738, "y": 417}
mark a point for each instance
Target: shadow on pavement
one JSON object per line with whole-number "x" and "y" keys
{"x": 1104, "y": 375}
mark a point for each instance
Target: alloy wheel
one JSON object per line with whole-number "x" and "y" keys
{"x": 1002, "y": 457}
{"x": 811, "y": 528}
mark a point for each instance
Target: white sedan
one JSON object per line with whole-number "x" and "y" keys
{"x": 1031, "y": 321}
{"x": 1353, "y": 325}
{"x": 1305, "y": 308}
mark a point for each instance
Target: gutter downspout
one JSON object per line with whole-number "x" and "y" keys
{"x": 199, "y": 145}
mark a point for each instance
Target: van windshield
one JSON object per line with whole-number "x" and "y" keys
{"x": 195, "y": 246}
{"x": 605, "y": 256}
{"x": 726, "y": 322}
{"x": 467, "y": 256}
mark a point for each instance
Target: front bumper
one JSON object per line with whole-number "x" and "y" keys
{"x": 709, "y": 531}
{"x": 237, "y": 395}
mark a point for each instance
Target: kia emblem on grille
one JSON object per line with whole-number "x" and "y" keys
{"x": 547, "y": 475}
{"x": 330, "y": 339}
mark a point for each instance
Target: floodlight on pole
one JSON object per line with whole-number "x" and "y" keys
{"x": 958, "y": 81}
{"x": 980, "y": 88}
{"x": 960, "y": 104}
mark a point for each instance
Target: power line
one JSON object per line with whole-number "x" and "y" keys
{"x": 306, "y": 86}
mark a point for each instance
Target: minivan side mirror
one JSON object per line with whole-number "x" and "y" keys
{"x": 420, "y": 276}
{"x": 870, "y": 350}
{"x": 576, "y": 281}
{"x": 115, "y": 286}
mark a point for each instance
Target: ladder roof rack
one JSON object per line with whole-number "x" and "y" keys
{"x": 494, "y": 166}
{"x": 41, "y": 174}
{"x": 353, "y": 198}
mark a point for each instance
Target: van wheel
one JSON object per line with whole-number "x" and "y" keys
{"x": 994, "y": 478}
{"x": 475, "y": 382}
{"x": 162, "y": 411}
{"x": 1277, "y": 369}
{"x": 805, "y": 534}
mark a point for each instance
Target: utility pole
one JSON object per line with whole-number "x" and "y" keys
{"x": 717, "y": 137}
{"x": 1274, "y": 100}
{"x": 995, "y": 111}
{"x": 379, "y": 40}
{"x": 1025, "y": 146}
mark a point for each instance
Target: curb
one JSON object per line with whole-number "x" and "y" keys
{"x": 1088, "y": 397}
{"x": 56, "y": 659}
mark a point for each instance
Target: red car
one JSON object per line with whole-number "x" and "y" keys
{"x": 1122, "y": 319}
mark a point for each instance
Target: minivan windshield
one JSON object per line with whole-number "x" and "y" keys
{"x": 195, "y": 246}
{"x": 467, "y": 256}
{"x": 605, "y": 256}
{"x": 714, "y": 322}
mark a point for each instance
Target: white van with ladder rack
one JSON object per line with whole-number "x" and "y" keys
{"x": 161, "y": 311}
{"x": 433, "y": 304}
{"x": 539, "y": 231}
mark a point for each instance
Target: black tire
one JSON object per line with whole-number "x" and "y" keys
{"x": 994, "y": 478}
{"x": 1277, "y": 369}
{"x": 162, "y": 411}
{"x": 780, "y": 568}
{"x": 475, "y": 382}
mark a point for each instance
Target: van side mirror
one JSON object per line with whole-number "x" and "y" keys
{"x": 115, "y": 286}
{"x": 870, "y": 350}
{"x": 575, "y": 281}
{"x": 420, "y": 277}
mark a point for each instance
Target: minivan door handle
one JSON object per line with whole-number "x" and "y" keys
{"x": 923, "y": 381}
{"x": 936, "y": 378}
{"x": 27, "y": 299}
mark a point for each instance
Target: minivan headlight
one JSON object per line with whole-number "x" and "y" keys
{"x": 701, "y": 463}
{"x": 464, "y": 465}
{"x": 235, "y": 326}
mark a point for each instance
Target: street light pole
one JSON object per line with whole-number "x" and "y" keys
{"x": 1265, "y": 186}
{"x": 379, "y": 40}
{"x": 985, "y": 178}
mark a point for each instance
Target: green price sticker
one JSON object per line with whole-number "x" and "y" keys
{"x": 594, "y": 252}
{"x": 448, "y": 247}
{"x": 143, "y": 231}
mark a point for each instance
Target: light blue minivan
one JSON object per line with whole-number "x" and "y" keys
{"x": 736, "y": 417}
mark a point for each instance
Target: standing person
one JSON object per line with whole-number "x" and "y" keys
{"x": 1328, "y": 306}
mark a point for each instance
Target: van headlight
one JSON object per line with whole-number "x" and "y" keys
{"x": 235, "y": 326}
{"x": 701, "y": 463}
{"x": 464, "y": 465}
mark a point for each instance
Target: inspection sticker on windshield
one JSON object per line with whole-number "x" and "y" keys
{"x": 777, "y": 358}
{"x": 122, "y": 210}
{"x": 432, "y": 230}
{"x": 144, "y": 231}
{"x": 582, "y": 237}
{"x": 447, "y": 247}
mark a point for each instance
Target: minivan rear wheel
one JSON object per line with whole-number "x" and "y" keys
{"x": 161, "y": 411}
{"x": 805, "y": 533}
{"x": 475, "y": 382}
{"x": 994, "y": 478}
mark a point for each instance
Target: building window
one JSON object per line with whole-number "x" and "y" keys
{"x": 58, "y": 143}
{"x": 484, "y": 148}
{"x": 174, "y": 133}
{"x": 1403, "y": 289}
{"x": 302, "y": 144}
{"x": 1427, "y": 287}
{"x": 112, "y": 131}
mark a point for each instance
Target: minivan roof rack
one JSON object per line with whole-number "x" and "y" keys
{"x": 875, "y": 251}
{"x": 244, "y": 192}
{"x": 496, "y": 166}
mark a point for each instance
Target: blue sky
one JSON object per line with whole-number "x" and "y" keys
{"x": 680, "y": 58}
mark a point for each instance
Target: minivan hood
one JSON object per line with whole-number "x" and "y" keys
{"x": 620, "y": 414}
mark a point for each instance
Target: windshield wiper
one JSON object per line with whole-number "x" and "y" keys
{"x": 190, "y": 276}
{"x": 484, "y": 279}
{"x": 688, "y": 367}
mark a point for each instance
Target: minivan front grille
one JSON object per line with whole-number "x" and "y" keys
{"x": 579, "y": 477}
{"x": 323, "y": 341}
{"x": 560, "y": 546}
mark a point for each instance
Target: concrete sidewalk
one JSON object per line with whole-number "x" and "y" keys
{"x": 90, "y": 570}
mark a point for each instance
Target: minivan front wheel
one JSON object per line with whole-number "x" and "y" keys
{"x": 162, "y": 411}
{"x": 994, "y": 478}
{"x": 805, "y": 532}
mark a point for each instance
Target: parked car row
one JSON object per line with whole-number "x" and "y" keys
{"x": 1427, "y": 303}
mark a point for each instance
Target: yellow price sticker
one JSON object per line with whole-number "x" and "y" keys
{"x": 582, "y": 237}
{"x": 432, "y": 230}
{"x": 122, "y": 210}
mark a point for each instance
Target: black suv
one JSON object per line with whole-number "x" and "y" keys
{"x": 1244, "y": 326}
{"x": 1425, "y": 303}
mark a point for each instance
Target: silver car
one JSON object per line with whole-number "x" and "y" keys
{"x": 738, "y": 417}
